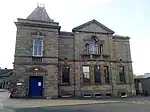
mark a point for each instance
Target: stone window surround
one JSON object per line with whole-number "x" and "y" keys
{"x": 98, "y": 48}
{"x": 38, "y": 35}
{"x": 61, "y": 70}
{"x": 124, "y": 80}
{"x": 99, "y": 43}
{"x": 101, "y": 70}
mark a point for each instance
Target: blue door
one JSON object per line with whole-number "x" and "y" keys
{"x": 35, "y": 86}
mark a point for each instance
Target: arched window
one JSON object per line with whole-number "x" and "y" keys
{"x": 93, "y": 47}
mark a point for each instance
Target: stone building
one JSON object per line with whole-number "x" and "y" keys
{"x": 5, "y": 75}
{"x": 50, "y": 63}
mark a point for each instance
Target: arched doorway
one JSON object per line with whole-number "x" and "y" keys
{"x": 35, "y": 88}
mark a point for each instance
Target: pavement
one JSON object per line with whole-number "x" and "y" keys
{"x": 29, "y": 103}
{"x": 9, "y": 105}
{"x": 110, "y": 107}
{"x": 4, "y": 95}
{"x": 19, "y": 105}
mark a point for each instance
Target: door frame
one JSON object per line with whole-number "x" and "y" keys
{"x": 29, "y": 96}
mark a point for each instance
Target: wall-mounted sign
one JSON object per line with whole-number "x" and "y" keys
{"x": 39, "y": 83}
{"x": 19, "y": 84}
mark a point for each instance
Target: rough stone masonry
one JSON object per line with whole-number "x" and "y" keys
{"x": 91, "y": 45}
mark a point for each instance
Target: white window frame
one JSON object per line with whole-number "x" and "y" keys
{"x": 86, "y": 73}
{"x": 41, "y": 48}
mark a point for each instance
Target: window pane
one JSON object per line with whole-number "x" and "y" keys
{"x": 38, "y": 42}
{"x": 101, "y": 49}
{"x": 122, "y": 75}
{"x": 86, "y": 69}
{"x": 38, "y": 47}
{"x": 35, "y": 50}
{"x": 106, "y": 72}
{"x": 96, "y": 49}
{"x": 91, "y": 48}
{"x": 65, "y": 75}
{"x": 86, "y": 74}
{"x": 97, "y": 75}
{"x": 39, "y": 50}
{"x": 87, "y": 49}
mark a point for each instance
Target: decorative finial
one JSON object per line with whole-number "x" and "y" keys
{"x": 37, "y": 5}
{"x": 41, "y": 5}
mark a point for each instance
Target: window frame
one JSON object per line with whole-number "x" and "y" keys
{"x": 42, "y": 48}
{"x": 84, "y": 82}
{"x": 100, "y": 80}
{"x": 122, "y": 77}
{"x": 101, "y": 48}
{"x": 62, "y": 75}
{"x": 107, "y": 79}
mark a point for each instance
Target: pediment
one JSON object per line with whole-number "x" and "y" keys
{"x": 93, "y": 26}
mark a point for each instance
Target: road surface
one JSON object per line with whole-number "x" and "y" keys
{"x": 125, "y": 106}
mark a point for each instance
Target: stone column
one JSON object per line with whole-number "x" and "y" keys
{"x": 102, "y": 74}
{"x": 92, "y": 73}
{"x": 78, "y": 72}
{"x": 114, "y": 78}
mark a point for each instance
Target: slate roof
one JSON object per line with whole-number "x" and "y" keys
{"x": 66, "y": 33}
{"x": 5, "y": 72}
{"x": 39, "y": 14}
{"x": 93, "y": 21}
{"x": 120, "y": 37}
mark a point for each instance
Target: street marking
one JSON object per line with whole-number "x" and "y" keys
{"x": 140, "y": 102}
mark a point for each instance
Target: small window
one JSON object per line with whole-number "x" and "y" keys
{"x": 87, "y": 95}
{"x": 123, "y": 94}
{"x": 97, "y": 75}
{"x": 108, "y": 94}
{"x": 98, "y": 95}
{"x": 122, "y": 74}
{"x": 86, "y": 75}
{"x": 87, "y": 48}
{"x": 38, "y": 47}
{"x": 106, "y": 73}
{"x": 66, "y": 75}
{"x": 101, "y": 49}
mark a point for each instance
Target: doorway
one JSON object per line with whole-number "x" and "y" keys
{"x": 35, "y": 86}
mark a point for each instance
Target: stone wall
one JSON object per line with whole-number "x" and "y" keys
{"x": 23, "y": 59}
{"x": 66, "y": 47}
{"x": 57, "y": 48}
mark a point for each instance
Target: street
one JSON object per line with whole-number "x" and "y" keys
{"x": 135, "y": 104}
{"x": 125, "y": 106}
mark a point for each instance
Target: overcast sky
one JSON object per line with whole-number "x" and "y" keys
{"x": 125, "y": 17}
